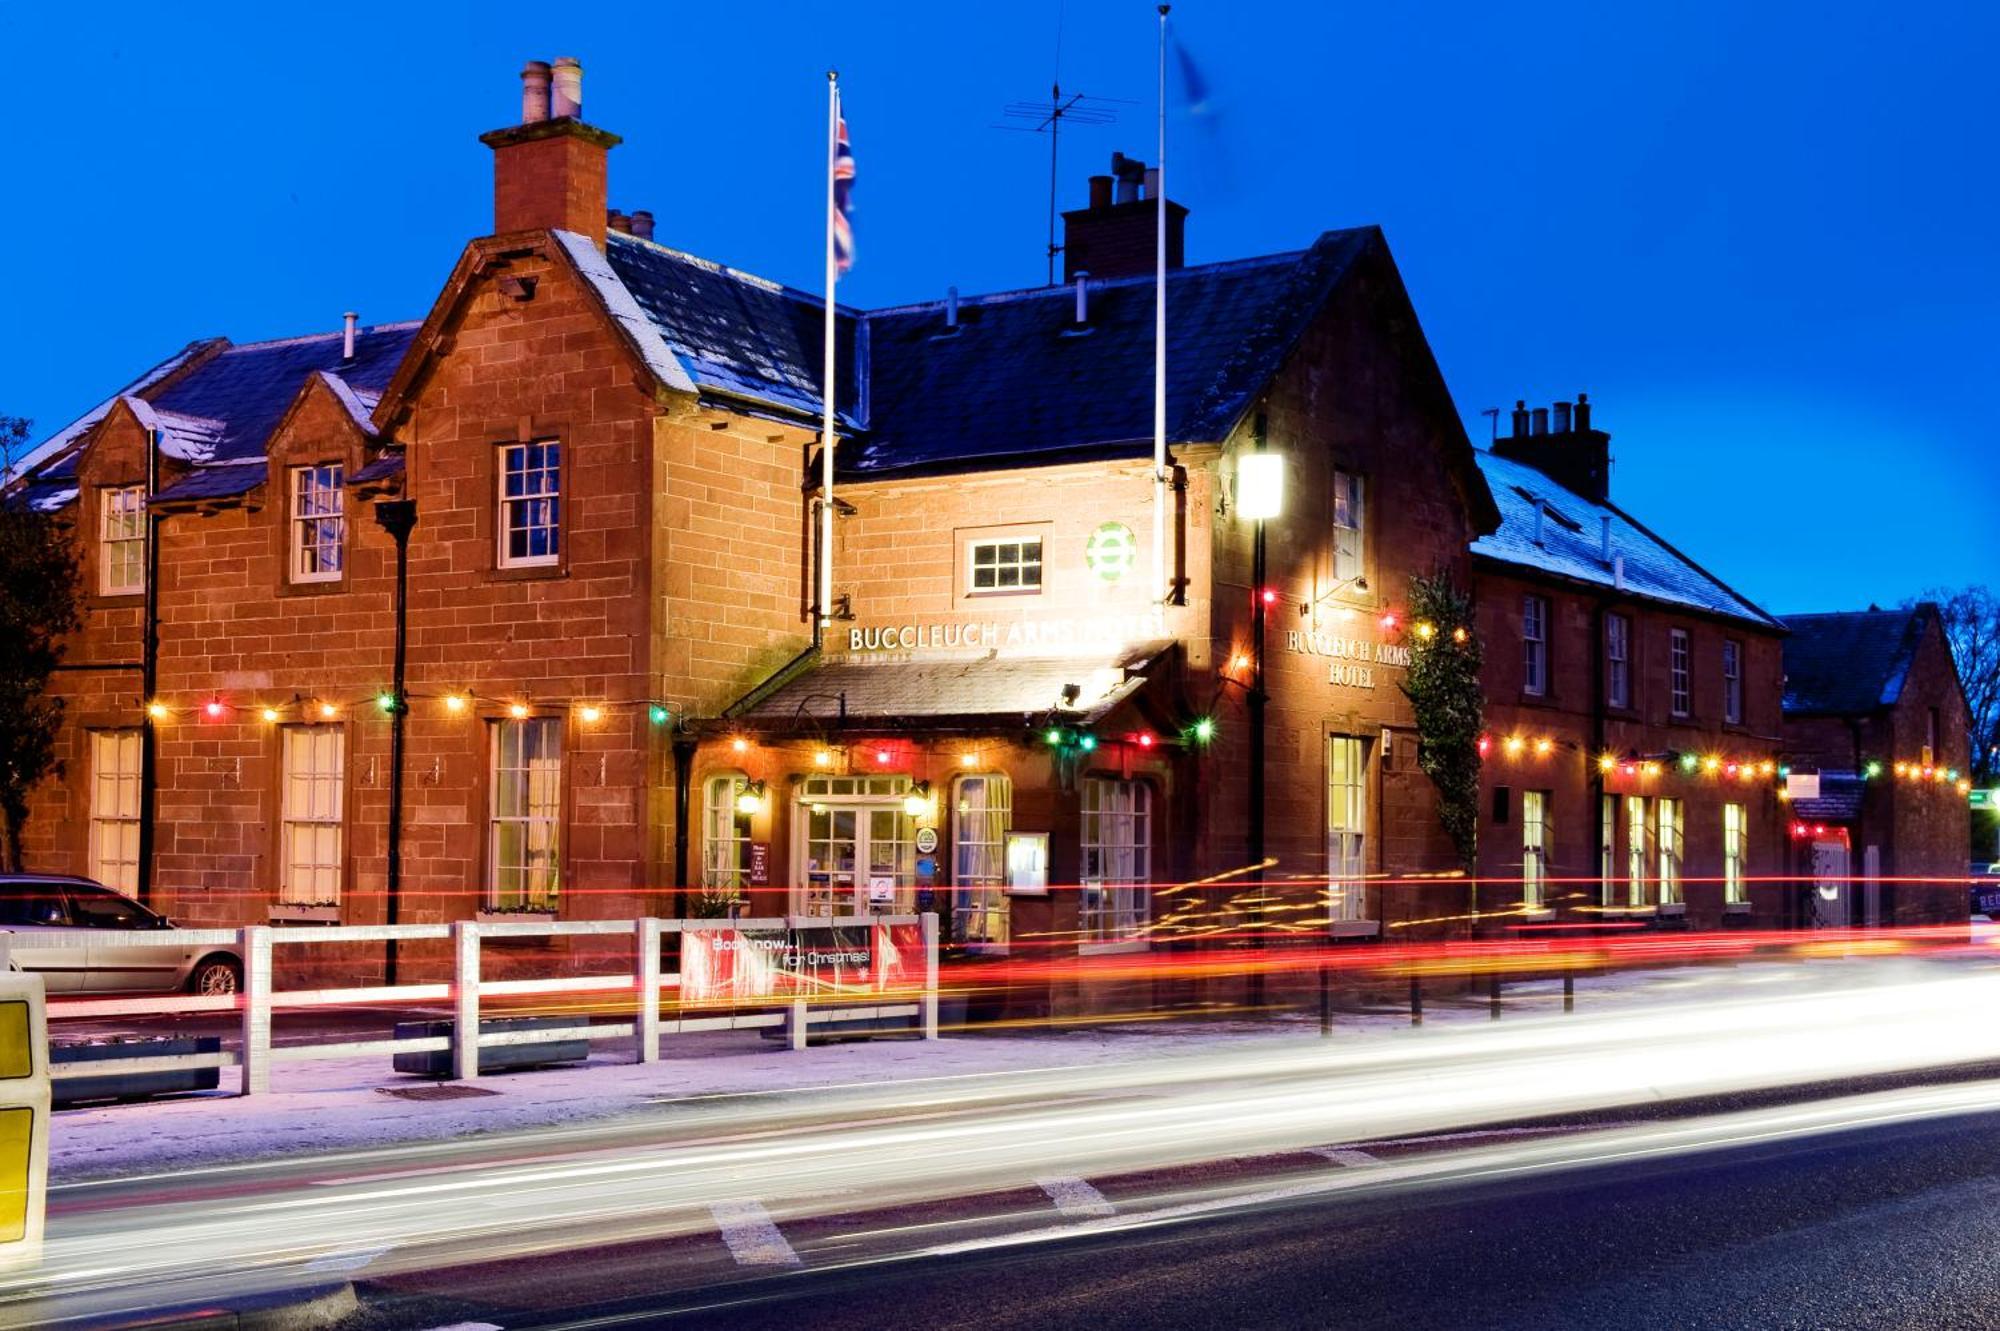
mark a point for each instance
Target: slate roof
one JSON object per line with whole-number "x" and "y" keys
{"x": 869, "y": 692}
{"x": 1571, "y": 545}
{"x": 220, "y": 413}
{"x": 1019, "y": 378}
{"x": 1853, "y": 662}
{"x": 1839, "y": 801}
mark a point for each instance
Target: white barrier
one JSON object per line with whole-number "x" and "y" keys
{"x": 647, "y": 980}
{"x": 24, "y": 1117}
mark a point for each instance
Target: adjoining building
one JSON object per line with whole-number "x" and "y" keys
{"x": 1878, "y": 734}
{"x": 1632, "y": 773}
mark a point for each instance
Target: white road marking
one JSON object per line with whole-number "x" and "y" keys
{"x": 1076, "y": 1198}
{"x": 470, "y": 1326}
{"x": 751, "y": 1234}
{"x": 352, "y": 1260}
{"x": 1343, "y": 1156}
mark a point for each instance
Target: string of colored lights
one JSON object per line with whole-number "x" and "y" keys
{"x": 323, "y": 708}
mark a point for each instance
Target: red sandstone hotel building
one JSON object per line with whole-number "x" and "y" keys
{"x": 613, "y": 677}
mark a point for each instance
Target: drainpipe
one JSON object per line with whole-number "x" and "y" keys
{"x": 684, "y": 746}
{"x": 398, "y": 517}
{"x": 1256, "y": 705}
{"x": 149, "y": 678}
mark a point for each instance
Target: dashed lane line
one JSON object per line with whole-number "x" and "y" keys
{"x": 753, "y": 1237}
{"x": 1075, "y": 1198}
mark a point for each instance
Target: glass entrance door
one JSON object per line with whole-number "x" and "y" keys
{"x": 857, "y": 856}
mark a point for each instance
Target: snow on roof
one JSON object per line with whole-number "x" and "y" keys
{"x": 1849, "y": 663}
{"x": 597, "y": 270}
{"x": 361, "y": 406}
{"x": 50, "y": 448}
{"x": 1571, "y": 544}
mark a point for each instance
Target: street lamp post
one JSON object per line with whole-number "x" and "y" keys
{"x": 1260, "y": 496}
{"x": 398, "y": 517}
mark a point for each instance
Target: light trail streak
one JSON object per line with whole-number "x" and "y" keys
{"x": 883, "y": 1146}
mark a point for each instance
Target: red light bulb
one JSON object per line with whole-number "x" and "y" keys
{"x": 213, "y": 708}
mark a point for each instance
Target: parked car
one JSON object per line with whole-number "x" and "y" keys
{"x": 99, "y": 943}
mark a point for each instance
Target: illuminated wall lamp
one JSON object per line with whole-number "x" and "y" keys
{"x": 1260, "y": 485}
{"x": 750, "y": 800}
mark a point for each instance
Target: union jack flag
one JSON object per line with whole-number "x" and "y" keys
{"x": 843, "y": 188}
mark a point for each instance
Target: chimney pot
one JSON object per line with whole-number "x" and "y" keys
{"x": 1520, "y": 418}
{"x": 1538, "y": 422}
{"x": 347, "y": 332}
{"x": 1100, "y": 192}
{"x": 617, "y": 221}
{"x": 534, "y": 91}
{"x": 1083, "y": 298}
{"x": 1151, "y": 189}
{"x": 1583, "y": 411}
{"x": 1562, "y": 418}
{"x": 566, "y": 95}
{"x": 642, "y": 223}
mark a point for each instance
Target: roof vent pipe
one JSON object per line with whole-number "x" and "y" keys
{"x": 1562, "y": 418}
{"x": 642, "y": 223}
{"x": 347, "y": 335}
{"x": 1604, "y": 537}
{"x": 951, "y": 307}
{"x": 1618, "y": 572}
{"x": 1538, "y": 421}
{"x": 1083, "y": 298}
{"x": 534, "y": 91}
{"x": 1520, "y": 418}
{"x": 1583, "y": 411}
{"x": 1541, "y": 512}
{"x": 566, "y": 96}
{"x": 1151, "y": 189}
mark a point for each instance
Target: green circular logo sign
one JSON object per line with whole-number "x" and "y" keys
{"x": 1111, "y": 551}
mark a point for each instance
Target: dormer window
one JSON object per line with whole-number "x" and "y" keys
{"x": 530, "y": 504}
{"x": 121, "y": 547}
{"x": 319, "y": 522}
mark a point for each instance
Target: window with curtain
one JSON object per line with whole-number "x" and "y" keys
{"x": 526, "y": 821}
{"x": 1534, "y": 645}
{"x": 1117, "y": 848}
{"x": 1617, "y": 661}
{"x": 319, "y": 526}
{"x": 982, "y": 811}
{"x": 1534, "y": 848}
{"x": 121, "y": 544}
{"x": 1607, "y": 850}
{"x": 530, "y": 526}
{"x": 1638, "y": 850}
{"x": 1349, "y": 551}
{"x": 114, "y": 808}
{"x": 1680, "y": 669}
{"x": 310, "y": 815}
{"x": 725, "y": 834}
{"x": 1735, "y": 826}
{"x": 1346, "y": 828}
{"x": 1670, "y": 850}
{"x": 1732, "y": 682}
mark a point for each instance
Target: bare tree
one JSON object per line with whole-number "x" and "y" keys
{"x": 1972, "y": 623}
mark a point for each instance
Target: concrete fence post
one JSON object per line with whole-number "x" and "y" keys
{"x": 1416, "y": 1000}
{"x": 930, "y": 975}
{"x": 1493, "y": 995}
{"x": 648, "y": 966}
{"x": 255, "y": 944}
{"x": 465, "y": 1000}
{"x": 1569, "y": 991}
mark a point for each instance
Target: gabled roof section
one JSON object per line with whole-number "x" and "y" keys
{"x": 1852, "y": 662}
{"x": 1572, "y": 542}
{"x": 1019, "y": 377}
{"x": 60, "y": 447}
{"x": 726, "y": 333}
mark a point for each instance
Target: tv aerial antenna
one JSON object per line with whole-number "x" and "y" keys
{"x": 1049, "y": 117}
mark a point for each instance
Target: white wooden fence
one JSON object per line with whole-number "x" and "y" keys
{"x": 258, "y": 998}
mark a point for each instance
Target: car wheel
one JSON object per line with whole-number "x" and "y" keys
{"x": 215, "y": 976}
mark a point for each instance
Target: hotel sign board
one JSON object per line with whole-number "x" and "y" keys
{"x": 1029, "y": 637}
{"x": 1352, "y": 662}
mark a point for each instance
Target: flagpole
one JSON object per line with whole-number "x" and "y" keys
{"x": 826, "y": 379}
{"x": 1160, "y": 586}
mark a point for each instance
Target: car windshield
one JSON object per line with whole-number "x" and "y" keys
{"x": 101, "y": 908}
{"x": 31, "y": 904}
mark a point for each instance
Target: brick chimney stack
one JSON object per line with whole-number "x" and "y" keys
{"x": 549, "y": 170}
{"x": 1114, "y": 236}
{"x": 1572, "y": 454}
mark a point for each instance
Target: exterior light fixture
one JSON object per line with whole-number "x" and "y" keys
{"x": 884, "y": 757}
{"x": 657, "y": 714}
{"x": 270, "y": 714}
{"x": 328, "y": 711}
{"x": 1269, "y": 595}
{"x": 1426, "y": 630}
{"x": 1459, "y": 635}
{"x": 1239, "y": 662}
{"x": 1143, "y": 739}
{"x": 454, "y": 703}
{"x": 1389, "y": 622}
{"x": 1606, "y": 763}
{"x": 1514, "y": 745}
{"x": 1651, "y": 769}
{"x": 1711, "y": 764}
{"x": 157, "y": 710}
{"x": 822, "y": 757}
{"x": 517, "y": 710}
{"x": 1872, "y": 770}
{"x": 213, "y": 709}
{"x": 1086, "y": 742}
{"x": 1485, "y": 745}
{"x": 1203, "y": 729}
{"x": 1260, "y": 485}
{"x": 1054, "y": 737}
{"x": 739, "y": 745}
{"x": 1544, "y": 747}
{"x": 386, "y": 701}
{"x": 1689, "y": 762}
{"x": 590, "y": 714}
{"x": 917, "y": 802}
{"x": 968, "y": 759}
{"x": 750, "y": 800}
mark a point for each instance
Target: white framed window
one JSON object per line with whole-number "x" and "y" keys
{"x": 1349, "y": 549}
{"x": 725, "y": 833}
{"x": 1617, "y": 661}
{"x": 319, "y": 523}
{"x": 1680, "y": 671}
{"x": 1638, "y": 850}
{"x": 982, "y": 813}
{"x": 1607, "y": 849}
{"x": 114, "y": 808}
{"x": 311, "y": 813}
{"x": 1115, "y": 894}
{"x": 1534, "y": 645}
{"x": 1534, "y": 849}
{"x": 1669, "y": 822}
{"x": 121, "y": 540}
{"x": 1346, "y": 828}
{"x": 1735, "y": 828}
{"x": 530, "y": 504}
{"x": 1004, "y": 564}
{"x": 525, "y": 839}
{"x": 1732, "y": 681}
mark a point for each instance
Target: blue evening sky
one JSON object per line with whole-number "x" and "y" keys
{"x": 1762, "y": 236}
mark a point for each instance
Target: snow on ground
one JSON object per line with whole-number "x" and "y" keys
{"x": 340, "y": 1104}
